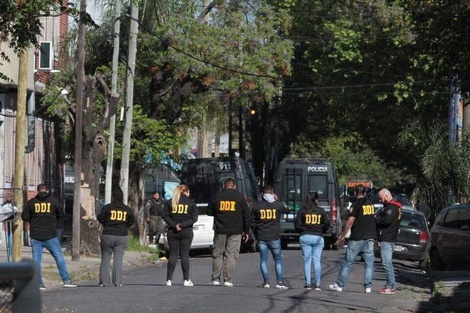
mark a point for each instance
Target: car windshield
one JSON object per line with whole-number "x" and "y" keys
{"x": 412, "y": 221}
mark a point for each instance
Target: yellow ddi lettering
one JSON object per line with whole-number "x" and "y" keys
{"x": 42, "y": 208}
{"x": 368, "y": 209}
{"x": 118, "y": 215}
{"x": 179, "y": 209}
{"x": 313, "y": 219}
{"x": 267, "y": 214}
{"x": 227, "y": 206}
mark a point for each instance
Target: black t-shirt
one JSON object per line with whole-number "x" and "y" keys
{"x": 363, "y": 227}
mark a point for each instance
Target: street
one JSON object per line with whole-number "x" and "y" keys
{"x": 144, "y": 290}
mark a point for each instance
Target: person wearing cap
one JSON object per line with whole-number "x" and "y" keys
{"x": 361, "y": 222}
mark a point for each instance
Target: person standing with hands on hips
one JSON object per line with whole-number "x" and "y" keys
{"x": 361, "y": 222}
{"x": 180, "y": 213}
{"x": 266, "y": 224}
{"x": 388, "y": 223}
{"x": 312, "y": 222}
{"x": 232, "y": 220}
{"x": 42, "y": 214}
{"x": 116, "y": 218}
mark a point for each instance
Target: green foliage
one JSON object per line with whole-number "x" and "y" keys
{"x": 151, "y": 139}
{"x": 352, "y": 160}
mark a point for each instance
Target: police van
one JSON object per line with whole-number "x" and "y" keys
{"x": 205, "y": 177}
{"x": 293, "y": 180}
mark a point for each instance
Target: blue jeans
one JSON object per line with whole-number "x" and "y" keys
{"x": 386, "y": 253}
{"x": 356, "y": 247}
{"x": 312, "y": 247}
{"x": 275, "y": 247}
{"x": 53, "y": 246}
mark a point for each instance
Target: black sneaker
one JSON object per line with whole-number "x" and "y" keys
{"x": 265, "y": 285}
{"x": 308, "y": 287}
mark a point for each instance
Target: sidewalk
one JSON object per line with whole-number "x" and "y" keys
{"x": 84, "y": 270}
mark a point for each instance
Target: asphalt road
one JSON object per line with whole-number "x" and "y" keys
{"x": 144, "y": 290}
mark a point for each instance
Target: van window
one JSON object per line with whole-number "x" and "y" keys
{"x": 319, "y": 184}
{"x": 451, "y": 219}
{"x": 291, "y": 189}
{"x": 464, "y": 217}
{"x": 204, "y": 187}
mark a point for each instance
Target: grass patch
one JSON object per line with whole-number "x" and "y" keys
{"x": 134, "y": 245}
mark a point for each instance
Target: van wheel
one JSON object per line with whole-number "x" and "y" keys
{"x": 284, "y": 243}
{"x": 332, "y": 242}
{"x": 436, "y": 261}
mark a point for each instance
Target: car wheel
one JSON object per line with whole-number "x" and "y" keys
{"x": 424, "y": 264}
{"x": 436, "y": 261}
{"x": 332, "y": 242}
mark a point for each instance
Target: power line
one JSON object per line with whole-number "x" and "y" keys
{"x": 358, "y": 86}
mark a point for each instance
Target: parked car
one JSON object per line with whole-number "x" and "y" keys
{"x": 450, "y": 238}
{"x": 413, "y": 238}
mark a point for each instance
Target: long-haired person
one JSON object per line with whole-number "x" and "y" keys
{"x": 180, "y": 214}
{"x": 116, "y": 218}
{"x": 312, "y": 222}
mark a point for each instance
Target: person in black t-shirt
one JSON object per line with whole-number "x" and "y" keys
{"x": 180, "y": 213}
{"x": 361, "y": 222}
{"x": 116, "y": 218}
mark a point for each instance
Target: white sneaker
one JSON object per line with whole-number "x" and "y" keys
{"x": 335, "y": 287}
{"x": 214, "y": 283}
{"x": 168, "y": 283}
{"x": 188, "y": 283}
{"x": 228, "y": 284}
{"x": 368, "y": 290}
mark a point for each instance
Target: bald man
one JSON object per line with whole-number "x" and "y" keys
{"x": 388, "y": 222}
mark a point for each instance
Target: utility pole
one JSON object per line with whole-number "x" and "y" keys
{"x": 126, "y": 136}
{"x": 112, "y": 122}
{"x": 241, "y": 131}
{"x": 230, "y": 135}
{"x": 18, "y": 180}
{"x": 78, "y": 136}
{"x": 453, "y": 107}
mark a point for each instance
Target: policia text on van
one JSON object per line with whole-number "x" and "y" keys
{"x": 294, "y": 179}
